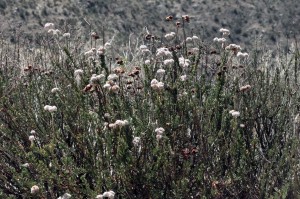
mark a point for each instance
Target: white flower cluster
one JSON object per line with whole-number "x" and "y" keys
{"x": 168, "y": 62}
{"x": 195, "y": 38}
{"x": 118, "y": 124}
{"x": 31, "y": 138}
{"x": 234, "y": 113}
{"x": 159, "y": 133}
{"x": 219, "y": 40}
{"x": 107, "y": 45}
{"x": 95, "y": 79}
{"x": 136, "y": 141}
{"x": 34, "y": 189}
{"x": 48, "y": 26}
{"x": 170, "y": 35}
{"x": 111, "y": 83}
{"x": 245, "y": 88}
{"x": 160, "y": 71}
{"x": 77, "y": 75}
{"x": 225, "y": 32}
{"x": 67, "y": 35}
{"x": 65, "y": 196}
{"x": 54, "y": 31}
{"x": 144, "y": 49}
{"x": 107, "y": 194}
{"x": 101, "y": 50}
{"x": 90, "y": 52}
{"x": 184, "y": 62}
{"x": 49, "y": 108}
{"x": 156, "y": 85}
{"x": 147, "y": 62}
{"x": 233, "y": 47}
{"x": 163, "y": 52}
{"x": 189, "y": 39}
{"x": 78, "y": 72}
{"x": 183, "y": 78}
{"x": 111, "y": 86}
{"x": 55, "y": 90}
{"x": 112, "y": 77}
{"x": 242, "y": 55}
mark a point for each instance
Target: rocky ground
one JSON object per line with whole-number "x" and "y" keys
{"x": 273, "y": 21}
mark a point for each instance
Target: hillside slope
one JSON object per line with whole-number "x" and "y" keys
{"x": 248, "y": 19}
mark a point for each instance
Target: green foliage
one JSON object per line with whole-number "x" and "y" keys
{"x": 88, "y": 145}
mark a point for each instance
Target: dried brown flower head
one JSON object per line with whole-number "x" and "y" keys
{"x": 169, "y": 18}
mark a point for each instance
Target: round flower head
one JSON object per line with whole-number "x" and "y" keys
{"x": 136, "y": 141}
{"x": 109, "y": 194}
{"x": 95, "y": 79}
{"x": 189, "y": 39}
{"x": 143, "y": 47}
{"x": 235, "y": 114}
{"x": 158, "y": 137}
{"x": 26, "y": 165}
{"x": 31, "y": 138}
{"x": 170, "y": 35}
{"x": 107, "y": 45}
{"x": 78, "y": 72}
{"x": 225, "y": 32}
{"x": 112, "y": 77}
{"x": 100, "y": 196}
{"x": 233, "y": 47}
{"x": 161, "y": 52}
{"x": 67, "y": 35}
{"x": 184, "y": 62}
{"x": 168, "y": 62}
{"x": 159, "y": 130}
{"x": 55, "y": 90}
{"x": 245, "y": 88}
{"x": 34, "y": 189}
{"x": 183, "y": 78}
{"x": 50, "y": 108}
{"x": 115, "y": 88}
{"x": 48, "y": 26}
{"x": 65, "y": 196}
{"x": 147, "y": 62}
{"x": 242, "y": 55}
{"x": 231, "y": 111}
{"x": 160, "y": 71}
{"x": 219, "y": 40}
{"x": 156, "y": 85}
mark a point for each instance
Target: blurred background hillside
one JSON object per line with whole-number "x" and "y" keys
{"x": 274, "y": 21}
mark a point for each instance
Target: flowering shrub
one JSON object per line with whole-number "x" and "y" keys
{"x": 174, "y": 118}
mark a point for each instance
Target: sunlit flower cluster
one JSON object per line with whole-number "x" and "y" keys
{"x": 163, "y": 52}
{"x": 234, "y": 113}
{"x": 242, "y": 55}
{"x": 136, "y": 141}
{"x": 245, "y": 88}
{"x": 156, "y": 85}
{"x": 183, "y": 62}
{"x": 34, "y": 189}
{"x": 170, "y": 35}
{"x": 159, "y": 133}
{"x": 49, "y": 108}
{"x": 107, "y": 194}
{"x": 118, "y": 124}
{"x": 65, "y": 196}
{"x": 225, "y": 32}
{"x": 219, "y": 40}
{"x": 168, "y": 62}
